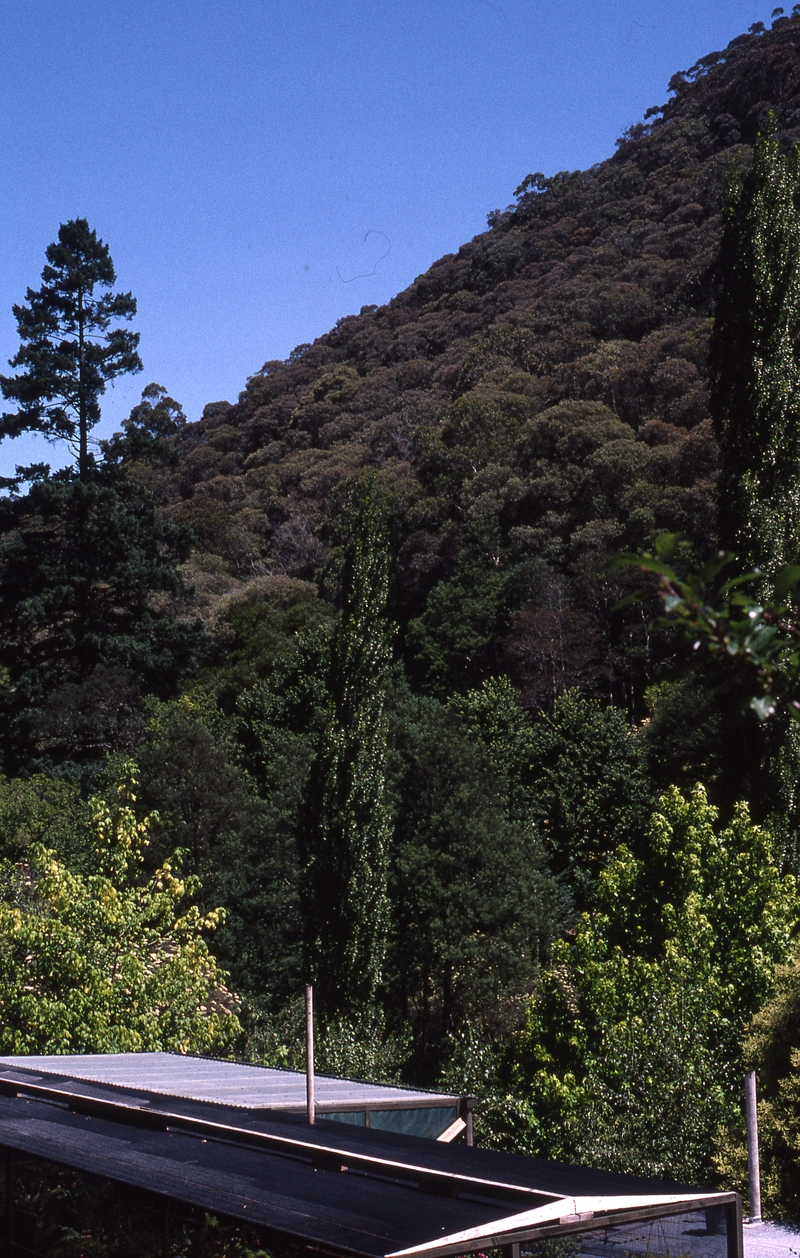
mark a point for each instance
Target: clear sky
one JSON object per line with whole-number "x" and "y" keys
{"x": 260, "y": 168}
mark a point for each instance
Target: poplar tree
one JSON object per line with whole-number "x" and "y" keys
{"x": 346, "y": 826}
{"x": 755, "y": 361}
{"x": 755, "y": 404}
{"x": 69, "y": 349}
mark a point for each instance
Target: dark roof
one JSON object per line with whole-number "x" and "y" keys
{"x": 352, "y": 1190}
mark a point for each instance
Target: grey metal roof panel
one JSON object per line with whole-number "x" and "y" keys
{"x": 228, "y": 1083}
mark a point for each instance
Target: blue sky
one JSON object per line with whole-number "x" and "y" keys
{"x": 260, "y": 168}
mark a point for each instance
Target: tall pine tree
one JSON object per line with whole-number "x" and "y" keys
{"x": 345, "y": 829}
{"x": 755, "y": 361}
{"x": 69, "y": 350}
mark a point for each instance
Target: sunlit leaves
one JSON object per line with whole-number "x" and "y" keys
{"x": 111, "y": 960}
{"x": 629, "y": 1058}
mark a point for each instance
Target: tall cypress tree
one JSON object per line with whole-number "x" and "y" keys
{"x": 69, "y": 350}
{"x": 346, "y": 825}
{"x": 755, "y": 361}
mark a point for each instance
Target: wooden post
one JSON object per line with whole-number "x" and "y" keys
{"x": 310, "y": 1105}
{"x": 753, "y": 1168}
{"x": 733, "y": 1227}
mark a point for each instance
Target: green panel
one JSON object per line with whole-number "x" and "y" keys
{"x": 414, "y": 1122}
{"x": 356, "y": 1118}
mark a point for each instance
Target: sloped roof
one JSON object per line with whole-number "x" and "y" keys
{"x": 360, "y": 1192}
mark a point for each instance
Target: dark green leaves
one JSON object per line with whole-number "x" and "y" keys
{"x": 69, "y": 350}
{"x": 755, "y": 363}
{"x": 81, "y": 566}
{"x": 728, "y": 620}
{"x": 346, "y": 825}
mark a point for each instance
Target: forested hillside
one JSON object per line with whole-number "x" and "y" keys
{"x": 534, "y": 402}
{"x": 341, "y": 675}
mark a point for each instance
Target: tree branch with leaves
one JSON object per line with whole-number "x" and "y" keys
{"x": 751, "y": 628}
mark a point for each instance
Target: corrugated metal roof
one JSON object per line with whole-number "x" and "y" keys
{"x": 227, "y": 1082}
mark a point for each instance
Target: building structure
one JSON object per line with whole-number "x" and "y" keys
{"x": 346, "y": 1190}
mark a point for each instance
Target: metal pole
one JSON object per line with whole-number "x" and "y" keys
{"x": 753, "y": 1169}
{"x": 310, "y": 1054}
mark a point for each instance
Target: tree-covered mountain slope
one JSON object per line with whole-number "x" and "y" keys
{"x": 418, "y": 750}
{"x": 534, "y": 402}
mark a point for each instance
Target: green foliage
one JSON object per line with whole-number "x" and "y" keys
{"x": 495, "y": 719}
{"x": 569, "y": 767}
{"x": 772, "y": 1048}
{"x": 356, "y": 1047}
{"x": 474, "y": 909}
{"x": 45, "y": 811}
{"x": 261, "y": 632}
{"x": 756, "y": 362}
{"x": 629, "y": 1057}
{"x": 237, "y": 833}
{"x": 699, "y": 888}
{"x": 752, "y": 630}
{"x": 82, "y": 566}
{"x": 107, "y": 961}
{"x": 686, "y": 735}
{"x": 589, "y": 787}
{"x": 451, "y": 641}
{"x": 577, "y": 773}
{"x": 345, "y": 825}
{"x": 731, "y": 707}
{"x": 146, "y": 433}
{"x": 68, "y": 353}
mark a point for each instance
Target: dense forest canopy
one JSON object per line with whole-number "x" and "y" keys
{"x": 351, "y": 656}
{"x": 533, "y": 403}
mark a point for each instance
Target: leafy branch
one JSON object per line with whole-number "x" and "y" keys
{"x": 740, "y": 621}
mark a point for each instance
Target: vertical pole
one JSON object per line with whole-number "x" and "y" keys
{"x": 8, "y": 1229}
{"x": 753, "y": 1168}
{"x": 310, "y": 1054}
{"x": 468, "y": 1135}
{"x": 733, "y": 1228}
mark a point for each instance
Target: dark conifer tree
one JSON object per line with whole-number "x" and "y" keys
{"x": 85, "y": 567}
{"x": 755, "y": 361}
{"x": 69, "y": 350}
{"x": 345, "y": 829}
